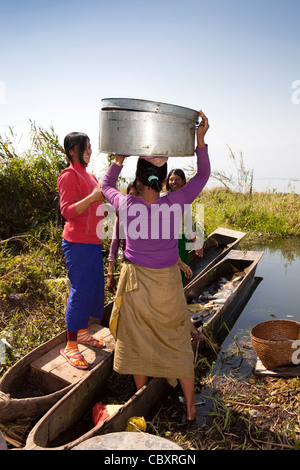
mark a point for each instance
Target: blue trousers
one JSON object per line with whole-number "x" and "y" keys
{"x": 85, "y": 272}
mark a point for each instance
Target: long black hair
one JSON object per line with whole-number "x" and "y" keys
{"x": 70, "y": 141}
{"x": 76, "y": 139}
{"x": 178, "y": 172}
{"x": 131, "y": 185}
{"x": 151, "y": 175}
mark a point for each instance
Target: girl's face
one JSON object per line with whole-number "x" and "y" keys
{"x": 133, "y": 191}
{"x": 88, "y": 152}
{"x": 175, "y": 182}
{"x": 74, "y": 153}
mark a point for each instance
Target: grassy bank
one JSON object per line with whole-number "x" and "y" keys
{"x": 268, "y": 214}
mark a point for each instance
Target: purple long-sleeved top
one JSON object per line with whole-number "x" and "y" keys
{"x": 152, "y": 230}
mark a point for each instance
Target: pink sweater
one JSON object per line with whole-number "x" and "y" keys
{"x": 147, "y": 250}
{"x": 74, "y": 184}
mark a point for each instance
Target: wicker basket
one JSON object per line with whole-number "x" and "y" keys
{"x": 272, "y": 341}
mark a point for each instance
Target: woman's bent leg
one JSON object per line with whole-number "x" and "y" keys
{"x": 187, "y": 386}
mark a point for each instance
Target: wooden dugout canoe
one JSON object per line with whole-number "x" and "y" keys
{"x": 217, "y": 245}
{"x": 237, "y": 269}
{"x": 32, "y": 385}
{"x": 55, "y": 430}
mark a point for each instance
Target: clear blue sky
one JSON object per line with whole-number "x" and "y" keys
{"x": 234, "y": 59}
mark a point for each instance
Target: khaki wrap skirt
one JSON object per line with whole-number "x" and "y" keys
{"x": 151, "y": 324}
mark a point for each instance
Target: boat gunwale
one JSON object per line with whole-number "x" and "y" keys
{"x": 234, "y": 255}
{"x": 233, "y": 237}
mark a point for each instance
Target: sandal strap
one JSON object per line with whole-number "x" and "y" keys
{"x": 85, "y": 337}
{"x": 74, "y": 357}
{"x": 72, "y": 354}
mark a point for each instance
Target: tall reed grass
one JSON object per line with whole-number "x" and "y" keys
{"x": 268, "y": 214}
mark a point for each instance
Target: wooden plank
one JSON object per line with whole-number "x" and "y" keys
{"x": 50, "y": 360}
{"x": 100, "y": 332}
{"x": 53, "y": 358}
{"x": 72, "y": 375}
{"x": 288, "y": 371}
{"x": 72, "y": 407}
{"x": 45, "y": 381}
{"x": 59, "y": 369}
{"x": 216, "y": 246}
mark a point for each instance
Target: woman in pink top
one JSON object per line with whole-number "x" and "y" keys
{"x": 80, "y": 196}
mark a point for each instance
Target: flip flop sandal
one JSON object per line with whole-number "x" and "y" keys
{"x": 74, "y": 357}
{"x": 94, "y": 342}
{"x": 89, "y": 339}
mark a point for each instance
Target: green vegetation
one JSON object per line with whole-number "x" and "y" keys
{"x": 236, "y": 205}
{"x": 32, "y": 272}
{"x": 33, "y": 277}
{"x": 28, "y": 181}
{"x": 268, "y": 214}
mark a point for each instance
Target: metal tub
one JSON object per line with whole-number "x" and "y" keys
{"x": 146, "y": 128}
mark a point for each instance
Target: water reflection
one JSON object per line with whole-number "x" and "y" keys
{"x": 288, "y": 249}
{"x": 277, "y": 295}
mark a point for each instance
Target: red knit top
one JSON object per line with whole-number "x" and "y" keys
{"x": 74, "y": 184}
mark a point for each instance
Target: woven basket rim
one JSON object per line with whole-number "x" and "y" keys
{"x": 277, "y": 320}
{"x": 273, "y": 341}
{"x": 268, "y": 322}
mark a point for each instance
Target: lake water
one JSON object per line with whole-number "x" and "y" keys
{"x": 277, "y": 293}
{"x": 271, "y": 185}
{"x": 276, "y": 296}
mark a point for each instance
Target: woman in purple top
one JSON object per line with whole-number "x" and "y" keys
{"x": 150, "y": 318}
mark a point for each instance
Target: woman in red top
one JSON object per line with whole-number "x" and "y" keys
{"x": 80, "y": 197}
